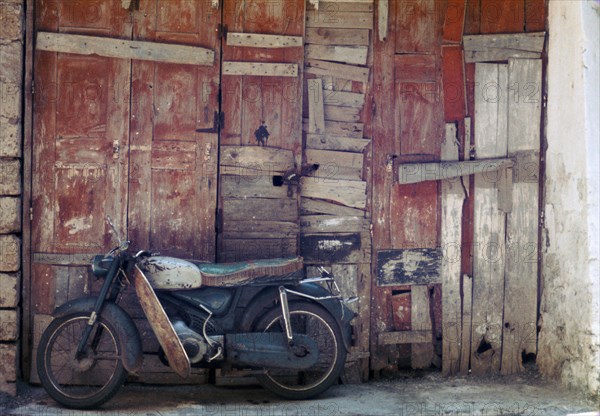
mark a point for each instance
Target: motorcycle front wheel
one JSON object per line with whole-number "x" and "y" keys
{"x": 85, "y": 381}
{"x": 312, "y": 320}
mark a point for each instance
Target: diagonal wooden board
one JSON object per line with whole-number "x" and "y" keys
{"x": 164, "y": 331}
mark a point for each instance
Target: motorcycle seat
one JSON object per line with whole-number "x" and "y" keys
{"x": 271, "y": 271}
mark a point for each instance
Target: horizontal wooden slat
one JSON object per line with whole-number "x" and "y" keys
{"x": 345, "y": 6}
{"x": 343, "y": 114}
{"x": 317, "y": 206}
{"x": 239, "y": 249}
{"x": 332, "y": 224}
{"x": 482, "y": 48}
{"x": 435, "y": 171}
{"x": 350, "y": 193}
{"x": 404, "y": 337}
{"x": 260, "y": 69}
{"x": 344, "y": 71}
{"x": 255, "y": 158}
{"x": 259, "y": 186}
{"x": 348, "y": 54}
{"x": 124, "y": 49}
{"x": 348, "y": 20}
{"x": 331, "y": 36}
{"x": 260, "y": 209}
{"x": 259, "y": 229}
{"x": 69, "y": 259}
{"x": 257, "y": 40}
{"x": 336, "y": 165}
{"x": 347, "y": 144}
{"x": 344, "y": 99}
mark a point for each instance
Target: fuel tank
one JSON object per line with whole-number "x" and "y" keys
{"x": 170, "y": 273}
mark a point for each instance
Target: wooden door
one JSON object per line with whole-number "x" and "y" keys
{"x": 80, "y": 159}
{"x": 261, "y": 89}
{"x": 408, "y": 126}
{"x": 173, "y": 179}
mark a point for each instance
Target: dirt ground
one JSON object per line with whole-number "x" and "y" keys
{"x": 423, "y": 394}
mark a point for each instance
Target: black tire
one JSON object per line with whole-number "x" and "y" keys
{"x": 80, "y": 383}
{"x": 310, "y": 319}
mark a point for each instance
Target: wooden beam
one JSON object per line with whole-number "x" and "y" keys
{"x": 260, "y": 69}
{"x": 348, "y": 54}
{"x": 322, "y": 68}
{"x": 246, "y": 160}
{"x": 422, "y": 353}
{"x": 124, "y": 49}
{"x": 316, "y": 113}
{"x": 435, "y": 171}
{"x": 258, "y": 40}
{"x": 481, "y": 48}
{"x": 404, "y": 337}
{"x": 382, "y": 20}
{"x": 337, "y": 36}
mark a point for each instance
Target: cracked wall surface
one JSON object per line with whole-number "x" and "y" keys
{"x": 11, "y": 80}
{"x": 569, "y": 341}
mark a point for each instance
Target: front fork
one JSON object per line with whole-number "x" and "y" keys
{"x": 285, "y": 310}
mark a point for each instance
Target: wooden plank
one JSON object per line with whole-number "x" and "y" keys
{"x": 315, "y": 224}
{"x": 335, "y": 248}
{"x": 435, "y": 171}
{"x": 333, "y": 7}
{"x": 331, "y": 36}
{"x": 260, "y": 209}
{"x": 415, "y": 67}
{"x": 466, "y": 325}
{"x": 124, "y": 49}
{"x": 316, "y": 206}
{"x": 502, "y": 16}
{"x": 491, "y": 137}
{"x": 239, "y": 249}
{"x": 346, "y": 192}
{"x": 404, "y": 337}
{"x": 418, "y": 26}
{"x": 316, "y": 114}
{"x": 415, "y": 266}
{"x": 335, "y": 165}
{"x": 321, "y": 68}
{"x": 348, "y": 54}
{"x": 258, "y": 186}
{"x": 261, "y": 69}
{"x": 454, "y": 21}
{"x": 258, "y": 40}
{"x": 535, "y": 15}
{"x": 473, "y": 17}
{"x": 346, "y": 20}
{"x": 343, "y": 114}
{"x": 346, "y": 276}
{"x": 259, "y": 229}
{"x": 382, "y": 19}
{"x": 422, "y": 353}
{"x": 247, "y": 159}
{"x": 453, "y": 78}
{"x": 451, "y": 232}
{"x": 521, "y": 270}
{"x": 346, "y": 144}
{"x": 481, "y": 48}
{"x": 344, "y": 99}
{"x": 341, "y": 129}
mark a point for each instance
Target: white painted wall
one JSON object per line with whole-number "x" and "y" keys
{"x": 569, "y": 342}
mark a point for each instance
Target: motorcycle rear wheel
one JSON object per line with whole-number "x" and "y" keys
{"x": 80, "y": 382}
{"x": 313, "y": 320}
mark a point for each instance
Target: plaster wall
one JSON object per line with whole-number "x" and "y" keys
{"x": 569, "y": 341}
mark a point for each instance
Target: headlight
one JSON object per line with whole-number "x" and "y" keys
{"x": 101, "y": 264}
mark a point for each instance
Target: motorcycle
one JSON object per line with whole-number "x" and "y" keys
{"x": 291, "y": 332}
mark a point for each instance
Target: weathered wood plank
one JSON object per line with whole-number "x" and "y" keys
{"x": 453, "y": 78}
{"x": 382, "y": 19}
{"x": 346, "y": 276}
{"x": 340, "y": 129}
{"x": 331, "y": 36}
{"x": 422, "y": 353}
{"x": 322, "y": 68}
{"x": 124, "y": 49}
{"x": 415, "y": 266}
{"x": 262, "y": 69}
{"x": 466, "y": 324}
{"x": 535, "y": 15}
{"x": 317, "y": 206}
{"x": 451, "y": 232}
{"x": 257, "y": 40}
{"x": 348, "y": 54}
{"x": 346, "y": 144}
{"x": 501, "y": 16}
{"x": 418, "y": 26}
{"x": 238, "y": 249}
{"x": 454, "y": 21}
{"x": 316, "y": 114}
{"x": 404, "y": 337}
{"x": 333, "y": 7}
{"x": 337, "y": 248}
{"x": 344, "y": 99}
{"x": 347, "y": 20}
{"x": 491, "y": 137}
{"x": 246, "y": 159}
{"x": 258, "y": 186}
{"x": 521, "y": 270}
{"x": 481, "y": 48}
{"x": 435, "y": 171}
{"x": 336, "y": 165}
{"x": 315, "y": 224}
{"x": 343, "y": 114}
{"x": 260, "y": 209}
{"x": 346, "y": 192}
{"x": 415, "y": 67}
{"x": 259, "y": 229}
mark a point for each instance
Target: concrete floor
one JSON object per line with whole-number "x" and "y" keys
{"x": 425, "y": 394}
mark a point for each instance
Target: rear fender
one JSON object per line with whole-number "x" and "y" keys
{"x": 129, "y": 336}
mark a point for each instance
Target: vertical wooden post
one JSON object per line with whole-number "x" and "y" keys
{"x": 422, "y": 354}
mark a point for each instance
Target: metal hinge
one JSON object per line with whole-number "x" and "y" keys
{"x": 222, "y": 31}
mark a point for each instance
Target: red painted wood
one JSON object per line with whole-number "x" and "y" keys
{"x": 535, "y": 15}
{"x": 455, "y": 21}
{"x": 472, "y": 17}
{"x": 453, "y": 79}
{"x": 502, "y": 16}
{"x": 418, "y": 25}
